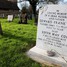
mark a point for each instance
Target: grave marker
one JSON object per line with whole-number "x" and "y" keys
{"x": 51, "y": 35}
{"x": 10, "y": 18}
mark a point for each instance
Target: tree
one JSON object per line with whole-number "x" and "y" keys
{"x": 33, "y": 4}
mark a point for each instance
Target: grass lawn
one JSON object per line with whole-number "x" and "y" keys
{"x": 15, "y": 41}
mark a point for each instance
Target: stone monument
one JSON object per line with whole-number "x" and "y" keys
{"x": 51, "y": 42}
{"x": 10, "y": 18}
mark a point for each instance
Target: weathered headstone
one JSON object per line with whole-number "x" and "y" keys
{"x": 10, "y": 18}
{"x": 51, "y": 36}
{"x": 1, "y": 32}
{"x": 24, "y": 18}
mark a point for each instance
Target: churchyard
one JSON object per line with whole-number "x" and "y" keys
{"x": 37, "y": 42}
{"x": 16, "y": 40}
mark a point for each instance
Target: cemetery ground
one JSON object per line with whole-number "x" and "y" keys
{"x": 16, "y": 40}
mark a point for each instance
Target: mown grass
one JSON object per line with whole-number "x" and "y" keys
{"x": 15, "y": 41}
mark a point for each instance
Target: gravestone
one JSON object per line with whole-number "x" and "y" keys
{"x": 51, "y": 36}
{"x": 24, "y": 18}
{"x": 1, "y": 32}
{"x": 24, "y": 15}
{"x": 10, "y": 18}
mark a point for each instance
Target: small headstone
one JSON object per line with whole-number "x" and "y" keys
{"x": 3, "y": 15}
{"x": 51, "y": 43}
{"x": 24, "y": 18}
{"x": 10, "y": 18}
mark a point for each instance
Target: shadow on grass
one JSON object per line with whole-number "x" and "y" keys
{"x": 29, "y": 40}
{"x": 15, "y": 56}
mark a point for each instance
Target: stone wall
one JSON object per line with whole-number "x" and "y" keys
{"x": 5, "y": 13}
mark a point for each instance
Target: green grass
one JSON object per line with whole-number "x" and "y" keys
{"x": 15, "y": 41}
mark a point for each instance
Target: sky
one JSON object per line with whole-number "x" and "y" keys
{"x": 21, "y": 4}
{"x": 27, "y": 4}
{"x": 65, "y": 0}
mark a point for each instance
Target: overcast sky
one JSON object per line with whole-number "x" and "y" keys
{"x": 21, "y": 4}
{"x": 65, "y": 0}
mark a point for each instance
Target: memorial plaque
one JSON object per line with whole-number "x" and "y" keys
{"x": 52, "y": 29}
{"x": 10, "y": 18}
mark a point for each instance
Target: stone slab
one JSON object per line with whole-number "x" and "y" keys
{"x": 41, "y": 56}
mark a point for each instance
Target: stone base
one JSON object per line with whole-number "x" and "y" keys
{"x": 41, "y": 56}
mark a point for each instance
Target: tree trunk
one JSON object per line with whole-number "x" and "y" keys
{"x": 33, "y": 4}
{"x": 35, "y": 14}
{"x": 1, "y": 32}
